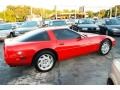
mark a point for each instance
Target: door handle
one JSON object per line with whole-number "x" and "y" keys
{"x": 61, "y": 44}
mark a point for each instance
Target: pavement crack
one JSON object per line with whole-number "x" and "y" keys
{"x": 59, "y": 74}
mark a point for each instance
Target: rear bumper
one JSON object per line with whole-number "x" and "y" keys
{"x": 13, "y": 59}
{"x": 14, "y": 56}
{"x": 17, "y": 61}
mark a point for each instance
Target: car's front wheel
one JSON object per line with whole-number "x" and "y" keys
{"x": 105, "y": 47}
{"x": 44, "y": 61}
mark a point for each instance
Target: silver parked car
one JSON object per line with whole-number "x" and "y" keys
{"x": 114, "y": 76}
{"x": 7, "y": 30}
{"x": 28, "y": 26}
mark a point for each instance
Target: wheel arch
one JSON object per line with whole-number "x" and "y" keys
{"x": 100, "y": 45}
{"x": 106, "y": 39}
{"x": 110, "y": 81}
{"x": 46, "y": 49}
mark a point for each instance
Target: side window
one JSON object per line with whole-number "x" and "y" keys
{"x": 38, "y": 37}
{"x": 65, "y": 34}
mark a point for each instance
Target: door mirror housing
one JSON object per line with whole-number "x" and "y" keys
{"x": 79, "y": 38}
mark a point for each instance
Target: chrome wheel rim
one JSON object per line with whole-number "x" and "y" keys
{"x": 105, "y": 47}
{"x": 45, "y": 62}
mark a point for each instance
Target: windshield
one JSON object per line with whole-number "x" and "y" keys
{"x": 29, "y": 24}
{"x": 57, "y": 23}
{"x": 5, "y": 26}
{"x": 85, "y": 21}
{"x": 112, "y": 22}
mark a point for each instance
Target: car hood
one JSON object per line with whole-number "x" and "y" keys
{"x": 116, "y": 62}
{"x": 88, "y": 34}
{"x": 88, "y": 25}
{"x": 113, "y": 26}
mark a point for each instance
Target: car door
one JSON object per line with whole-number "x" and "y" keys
{"x": 69, "y": 43}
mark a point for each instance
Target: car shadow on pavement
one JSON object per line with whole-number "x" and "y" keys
{"x": 86, "y": 70}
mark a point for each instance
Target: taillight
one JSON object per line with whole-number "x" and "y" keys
{"x": 4, "y": 46}
{"x": 4, "y": 49}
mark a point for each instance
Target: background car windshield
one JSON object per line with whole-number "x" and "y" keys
{"x": 29, "y": 24}
{"x": 57, "y": 23}
{"x": 112, "y": 22}
{"x": 5, "y": 26}
{"x": 85, "y": 21}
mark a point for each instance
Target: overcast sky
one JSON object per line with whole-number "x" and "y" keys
{"x": 94, "y": 5}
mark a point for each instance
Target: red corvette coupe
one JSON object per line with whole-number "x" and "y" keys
{"x": 43, "y": 47}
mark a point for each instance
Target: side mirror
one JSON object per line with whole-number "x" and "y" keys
{"x": 79, "y": 38}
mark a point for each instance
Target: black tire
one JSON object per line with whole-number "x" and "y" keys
{"x": 10, "y": 35}
{"x": 110, "y": 46}
{"x": 109, "y": 81}
{"x": 35, "y": 63}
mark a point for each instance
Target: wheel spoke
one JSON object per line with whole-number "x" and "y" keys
{"x": 105, "y": 47}
{"x": 45, "y": 62}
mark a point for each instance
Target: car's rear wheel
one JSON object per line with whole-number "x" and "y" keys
{"x": 105, "y": 47}
{"x": 11, "y": 35}
{"x": 109, "y": 81}
{"x": 44, "y": 61}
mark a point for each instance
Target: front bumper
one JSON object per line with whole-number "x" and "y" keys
{"x": 91, "y": 30}
{"x": 116, "y": 33}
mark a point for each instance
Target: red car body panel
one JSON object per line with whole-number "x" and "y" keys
{"x": 22, "y": 53}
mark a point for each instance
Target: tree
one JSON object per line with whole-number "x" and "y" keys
{"x": 102, "y": 13}
{"x": 90, "y": 14}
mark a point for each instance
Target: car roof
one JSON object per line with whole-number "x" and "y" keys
{"x": 54, "y": 28}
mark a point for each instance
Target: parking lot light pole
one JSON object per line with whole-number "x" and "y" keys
{"x": 111, "y": 13}
{"x": 55, "y": 8}
{"x": 75, "y": 14}
{"x": 31, "y": 11}
{"x": 4, "y": 14}
{"x": 115, "y": 11}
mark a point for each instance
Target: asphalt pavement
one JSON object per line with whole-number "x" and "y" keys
{"x": 91, "y": 69}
